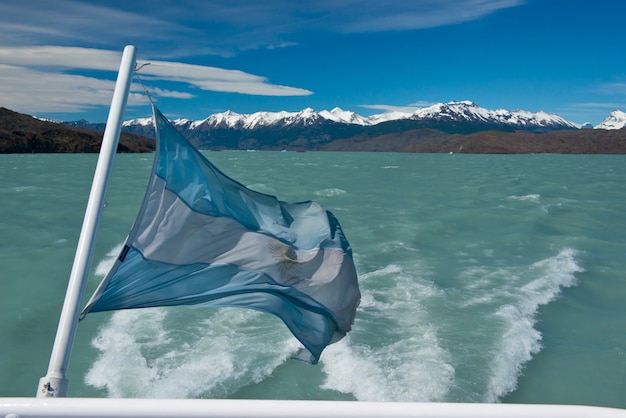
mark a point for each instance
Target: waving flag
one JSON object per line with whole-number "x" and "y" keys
{"x": 202, "y": 238}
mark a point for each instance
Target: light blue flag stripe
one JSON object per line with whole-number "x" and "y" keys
{"x": 202, "y": 238}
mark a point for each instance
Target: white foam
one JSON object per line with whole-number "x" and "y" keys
{"x": 529, "y": 197}
{"x": 107, "y": 262}
{"x": 521, "y": 340}
{"x": 22, "y": 188}
{"x": 406, "y": 344}
{"x": 406, "y": 362}
{"x": 411, "y": 369}
{"x": 330, "y": 192}
{"x": 502, "y": 302}
{"x": 394, "y": 246}
{"x": 388, "y": 269}
{"x": 122, "y": 369}
{"x": 174, "y": 353}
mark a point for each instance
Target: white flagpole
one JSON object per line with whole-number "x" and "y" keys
{"x": 55, "y": 383}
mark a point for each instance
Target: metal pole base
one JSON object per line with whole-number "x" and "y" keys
{"x": 52, "y": 387}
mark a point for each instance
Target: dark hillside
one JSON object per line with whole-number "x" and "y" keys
{"x": 584, "y": 141}
{"x": 21, "y": 133}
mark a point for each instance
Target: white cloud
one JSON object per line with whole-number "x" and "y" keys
{"x": 61, "y": 56}
{"x": 618, "y": 88}
{"x": 188, "y": 27}
{"x": 218, "y": 79}
{"x": 158, "y": 92}
{"x": 38, "y": 79}
{"x": 597, "y": 109}
{"x": 357, "y": 16}
{"x": 33, "y": 91}
{"x": 395, "y": 15}
{"x": 599, "y": 105}
{"x": 27, "y": 22}
{"x": 410, "y": 108}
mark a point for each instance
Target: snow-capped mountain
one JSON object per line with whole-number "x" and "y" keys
{"x": 616, "y": 120}
{"x": 310, "y": 129}
{"x": 443, "y": 127}
{"x": 469, "y": 111}
{"x": 256, "y": 120}
{"x": 464, "y": 111}
{"x": 137, "y": 122}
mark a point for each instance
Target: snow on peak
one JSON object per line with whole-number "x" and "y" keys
{"x": 227, "y": 119}
{"x": 344, "y": 116}
{"x": 307, "y": 116}
{"x": 139, "y": 121}
{"x": 616, "y": 120}
{"x": 182, "y": 122}
{"x": 464, "y": 110}
{"x": 470, "y": 111}
{"x": 468, "y": 103}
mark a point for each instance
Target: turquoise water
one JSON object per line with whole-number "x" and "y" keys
{"x": 484, "y": 278}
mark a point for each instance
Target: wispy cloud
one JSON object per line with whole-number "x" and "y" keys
{"x": 617, "y": 88}
{"x": 61, "y": 57}
{"x": 396, "y": 15}
{"x": 410, "y": 108}
{"x": 44, "y": 79}
{"x": 77, "y": 72}
{"x": 32, "y": 91}
{"x": 32, "y": 22}
{"x": 194, "y": 27}
{"x": 218, "y": 79}
{"x": 585, "y": 111}
{"x": 613, "y": 92}
{"x": 599, "y": 105}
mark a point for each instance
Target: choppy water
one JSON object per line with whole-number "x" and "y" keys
{"x": 484, "y": 278}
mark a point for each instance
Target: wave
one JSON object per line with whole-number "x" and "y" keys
{"x": 529, "y": 197}
{"x": 394, "y": 352}
{"x": 510, "y": 298}
{"x": 23, "y": 188}
{"x": 414, "y": 339}
{"x": 103, "y": 267}
{"x": 185, "y": 352}
{"x": 521, "y": 340}
{"x": 174, "y": 353}
{"x": 330, "y": 192}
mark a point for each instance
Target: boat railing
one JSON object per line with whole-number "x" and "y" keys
{"x": 231, "y": 408}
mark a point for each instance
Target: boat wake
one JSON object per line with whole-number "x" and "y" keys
{"x": 413, "y": 340}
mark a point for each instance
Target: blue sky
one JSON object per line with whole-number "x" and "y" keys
{"x": 58, "y": 59}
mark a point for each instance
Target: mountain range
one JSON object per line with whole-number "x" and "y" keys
{"x": 308, "y": 129}
{"x": 453, "y": 111}
{"x": 443, "y": 127}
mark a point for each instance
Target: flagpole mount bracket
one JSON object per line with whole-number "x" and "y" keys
{"x": 52, "y": 387}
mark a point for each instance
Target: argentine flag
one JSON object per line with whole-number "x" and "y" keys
{"x": 202, "y": 238}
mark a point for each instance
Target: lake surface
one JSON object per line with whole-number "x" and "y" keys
{"x": 485, "y": 278}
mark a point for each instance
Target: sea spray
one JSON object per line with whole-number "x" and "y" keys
{"x": 185, "y": 352}
{"x": 166, "y": 353}
{"x": 404, "y": 361}
{"x": 521, "y": 340}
